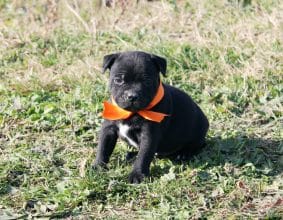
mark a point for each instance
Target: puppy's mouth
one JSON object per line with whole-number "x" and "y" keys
{"x": 133, "y": 106}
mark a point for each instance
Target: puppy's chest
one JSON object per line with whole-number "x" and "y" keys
{"x": 130, "y": 134}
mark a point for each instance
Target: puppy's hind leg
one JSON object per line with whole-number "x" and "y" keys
{"x": 189, "y": 150}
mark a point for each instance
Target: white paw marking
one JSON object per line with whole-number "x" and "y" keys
{"x": 123, "y": 131}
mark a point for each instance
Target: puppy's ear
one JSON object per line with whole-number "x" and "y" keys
{"x": 161, "y": 63}
{"x": 108, "y": 61}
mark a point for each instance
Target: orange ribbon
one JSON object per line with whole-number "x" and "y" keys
{"x": 112, "y": 111}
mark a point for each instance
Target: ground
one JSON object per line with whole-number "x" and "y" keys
{"x": 228, "y": 55}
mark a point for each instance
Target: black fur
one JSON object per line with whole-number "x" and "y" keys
{"x": 134, "y": 80}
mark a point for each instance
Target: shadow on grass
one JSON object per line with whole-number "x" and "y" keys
{"x": 263, "y": 155}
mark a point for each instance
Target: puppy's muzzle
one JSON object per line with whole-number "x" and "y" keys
{"x": 131, "y": 96}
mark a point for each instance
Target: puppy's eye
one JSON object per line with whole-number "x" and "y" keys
{"x": 118, "y": 81}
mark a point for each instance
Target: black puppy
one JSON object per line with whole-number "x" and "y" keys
{"x": 134, "y": 84}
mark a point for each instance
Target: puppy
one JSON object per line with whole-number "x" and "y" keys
{"x": 154, "y": 117}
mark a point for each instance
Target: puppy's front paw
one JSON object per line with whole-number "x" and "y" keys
{"x": 100, "y": 166}
{"x": 136, "y": 177}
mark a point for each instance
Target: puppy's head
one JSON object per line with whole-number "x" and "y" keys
{"x": 134, "y": 78}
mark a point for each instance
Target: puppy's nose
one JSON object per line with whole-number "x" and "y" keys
{"x": 131, "y": 96}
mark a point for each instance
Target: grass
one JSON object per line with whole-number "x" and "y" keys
{"x": 228, "y": 55}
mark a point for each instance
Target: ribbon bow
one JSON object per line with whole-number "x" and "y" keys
{"x": 112, "y": 111}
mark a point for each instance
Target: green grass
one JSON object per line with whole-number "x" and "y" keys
{"x": 228, "y": 55}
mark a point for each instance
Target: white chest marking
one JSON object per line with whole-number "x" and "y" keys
{"x": 123, "y": 131}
